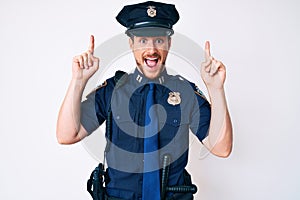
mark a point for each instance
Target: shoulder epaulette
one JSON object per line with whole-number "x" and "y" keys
{"x": 120, "y": 78}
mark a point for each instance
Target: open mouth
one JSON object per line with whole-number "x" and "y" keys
{"x": 151, "y": 62}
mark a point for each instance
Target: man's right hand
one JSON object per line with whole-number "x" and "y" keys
{"x": 85, "y": 65}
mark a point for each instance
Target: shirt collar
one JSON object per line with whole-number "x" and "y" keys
{"x": 141, "y": 79}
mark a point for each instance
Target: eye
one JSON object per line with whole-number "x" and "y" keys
{"x": 159, "y": 41}
{"x": 143, "y": 41}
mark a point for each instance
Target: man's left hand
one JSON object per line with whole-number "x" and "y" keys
{"x": 213, "y": 72}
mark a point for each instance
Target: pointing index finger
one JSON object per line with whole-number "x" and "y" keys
{"x": 207, "y": 50}
{"x": 91, "y": 46}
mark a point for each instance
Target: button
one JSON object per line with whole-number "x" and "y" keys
{"x": 175, "y": 121}
{"x": 140, "y": 182}
{"x": 139, "y": 196}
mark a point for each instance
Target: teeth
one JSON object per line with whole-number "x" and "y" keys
{"x": 151, "y": 58}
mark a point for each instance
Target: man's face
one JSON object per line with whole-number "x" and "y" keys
{"x": 150, "y": 54}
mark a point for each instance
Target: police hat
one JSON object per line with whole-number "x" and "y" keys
{"x": 148, "y": 19}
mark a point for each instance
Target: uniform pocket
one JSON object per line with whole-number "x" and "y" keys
{"x": 124, "y": 134}
{"x": 174, "y": 128}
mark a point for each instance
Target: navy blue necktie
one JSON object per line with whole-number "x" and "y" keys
{"x": 151, "y": 180}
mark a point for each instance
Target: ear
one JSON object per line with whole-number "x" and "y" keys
{"x": 169, "y": 43}
{"x": 131, "y": 43}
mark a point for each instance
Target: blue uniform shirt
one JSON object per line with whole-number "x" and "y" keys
{"x": 181, "y": 106}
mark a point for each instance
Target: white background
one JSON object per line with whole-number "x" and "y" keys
{"x": 257, "y": 40}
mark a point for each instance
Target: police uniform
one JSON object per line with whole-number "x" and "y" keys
{"x": 181, "y": 107}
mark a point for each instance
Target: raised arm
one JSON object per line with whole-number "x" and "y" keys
{"x": 213, "y": 73}
{"x": 69, "y": 129}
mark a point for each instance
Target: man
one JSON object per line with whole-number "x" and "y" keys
{"x": 141, "y": 134}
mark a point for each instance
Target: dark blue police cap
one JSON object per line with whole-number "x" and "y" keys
{"x": 148, "y": 19}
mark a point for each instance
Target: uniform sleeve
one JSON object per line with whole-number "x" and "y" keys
{"x": 200, "y": 117}
{"x": 88, "y": 116}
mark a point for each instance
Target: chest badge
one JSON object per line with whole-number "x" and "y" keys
{"x": 151, "y": 11}
{"x": 174, "y": 98}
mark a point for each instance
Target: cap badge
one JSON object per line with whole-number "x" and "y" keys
{"x": 174, "y": 98}
{"x": 151, "y": 11}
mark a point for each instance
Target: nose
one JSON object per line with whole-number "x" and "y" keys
{"x": 151, "y": 47}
